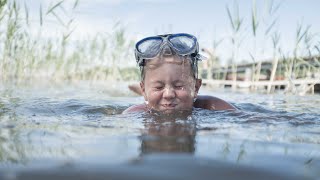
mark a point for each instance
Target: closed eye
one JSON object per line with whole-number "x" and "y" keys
{"x": 178, "y": 86}
{"x": 158, "y": 87}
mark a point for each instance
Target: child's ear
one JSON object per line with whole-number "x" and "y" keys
{"x": 197, "y": 86}
{"x": 143, "y": 91}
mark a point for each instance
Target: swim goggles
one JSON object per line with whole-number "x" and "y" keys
{"x": 183, "y": 44}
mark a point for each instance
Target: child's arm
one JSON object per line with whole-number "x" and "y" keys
{"x": 212, "y": 103}
{"x": 135, "y": 88}
{"x": 135, "y": 108}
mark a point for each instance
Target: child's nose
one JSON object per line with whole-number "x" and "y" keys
{"x": 169, "y": 93}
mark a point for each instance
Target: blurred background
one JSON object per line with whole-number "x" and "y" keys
{"x": 65, "y": 67}
{"x": 82, "y": 39}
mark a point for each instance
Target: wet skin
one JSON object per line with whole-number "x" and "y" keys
{"x": 169, "y": 86}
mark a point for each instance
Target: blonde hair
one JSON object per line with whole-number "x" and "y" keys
{"x": 193, "y": 65}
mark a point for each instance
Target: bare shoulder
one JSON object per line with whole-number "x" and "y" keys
{"x": 213, "y": 103}
{"x": 135, "y": 108}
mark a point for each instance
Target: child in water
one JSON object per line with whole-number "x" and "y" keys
{"x": 169, "y": 76}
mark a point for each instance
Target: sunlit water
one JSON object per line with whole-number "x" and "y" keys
{"x": 81, "y": 123}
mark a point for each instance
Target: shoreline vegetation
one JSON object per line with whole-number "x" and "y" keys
{"x": 26, "y": 56}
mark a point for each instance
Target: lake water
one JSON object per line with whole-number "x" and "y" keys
{"x": 76, "y": 130}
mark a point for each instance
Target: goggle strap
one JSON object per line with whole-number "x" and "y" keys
{"x": 200, "y": 57}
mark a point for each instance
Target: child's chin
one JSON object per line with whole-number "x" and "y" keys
{"x": 169, "y": 111}
{"x": 173, "y": 112}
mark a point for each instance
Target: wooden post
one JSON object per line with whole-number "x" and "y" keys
{"x": 273, "y": 72}
{"x": 234, "y": 77}
{"x": 257, "y": 77}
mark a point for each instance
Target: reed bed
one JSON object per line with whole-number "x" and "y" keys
{"x": 25, "y": 55}
{"x": 28, "y": 56}
{"x": 301, "y": 62}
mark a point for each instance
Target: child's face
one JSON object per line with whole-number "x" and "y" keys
{"x": 169, "y": 85}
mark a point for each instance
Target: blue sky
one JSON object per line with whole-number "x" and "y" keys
{"x": 206, "y": 19}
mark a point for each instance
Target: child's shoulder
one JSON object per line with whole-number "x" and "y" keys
{"x": 135, "y": 108}
{"x": 212, "y": 103}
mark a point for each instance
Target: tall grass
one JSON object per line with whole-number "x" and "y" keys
{"x": 301, "y": 62}
{"x": 265, "y": 22}
{"x": 25, "y": 55}
{"x": 28, "y": 55}
{"x": 236, "y": 22}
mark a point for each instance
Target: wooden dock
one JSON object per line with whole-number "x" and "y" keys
{"x": 259, "y": 83}
{"x": 269, "y": 75}
{"x": 298, "y": 86}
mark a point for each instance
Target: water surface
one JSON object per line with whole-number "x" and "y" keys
{"x": 80, "y": 124}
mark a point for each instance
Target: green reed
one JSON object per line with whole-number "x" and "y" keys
{"x": 24, "y": 55}
{"x": 236, "y": 22}
{"x": 28, "y": 56}
{"x": 265, "y": 22}
{"x": 303, "y": 61}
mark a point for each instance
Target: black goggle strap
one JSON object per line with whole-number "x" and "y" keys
{"x": 194, "y": 66}
{"x": 194, "y": 57}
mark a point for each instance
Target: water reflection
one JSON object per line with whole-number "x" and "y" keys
{"x": 88, "y": 126}
{"x": 168, "y": 134}
{"x": 11, "y": 147}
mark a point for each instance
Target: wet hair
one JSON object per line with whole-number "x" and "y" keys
{"x": 193, "y": 66}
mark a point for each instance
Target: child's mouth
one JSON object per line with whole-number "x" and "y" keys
{"x": 169, "y": 106}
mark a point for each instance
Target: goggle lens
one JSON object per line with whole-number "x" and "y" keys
{"x": 149, "y": 47}
{"x": 183, "y": 44}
